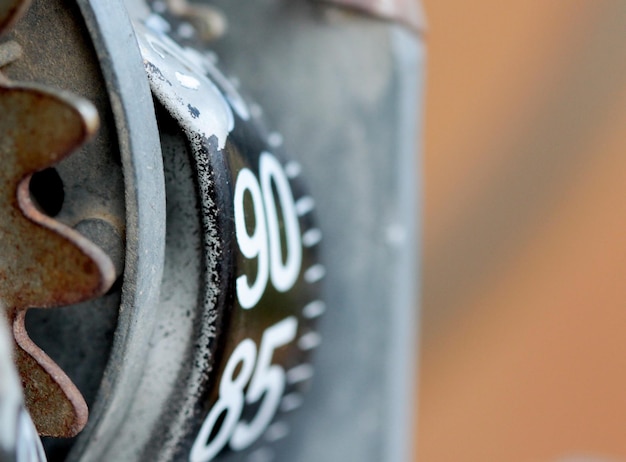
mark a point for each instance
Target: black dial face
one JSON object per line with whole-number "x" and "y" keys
{"x": 268, "y": 327}
{"x": 260, "y": 295}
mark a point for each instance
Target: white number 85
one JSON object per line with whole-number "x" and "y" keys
{"x": 267, "y": 382}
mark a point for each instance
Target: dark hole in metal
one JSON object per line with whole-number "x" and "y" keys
{"x": 116, "y": 287}
{"x": 46, "y": 189}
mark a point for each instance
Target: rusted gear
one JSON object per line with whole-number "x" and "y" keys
{"x": 43, "y": 263}
{"x": 11, "y": 11}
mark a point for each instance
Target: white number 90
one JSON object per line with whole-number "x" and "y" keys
{"x": 264, "y": 243}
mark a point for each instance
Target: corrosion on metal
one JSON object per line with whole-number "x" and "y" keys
{"x": 11, "y": 11}
{"x": 408, "y": 12}
{"x": 43, "y": 263}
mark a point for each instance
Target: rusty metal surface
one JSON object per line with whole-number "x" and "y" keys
{"x": 58, "y": 53}
{"x": 43, "y": 263}
{"x": 408, "y": 12}
{"x": 10, "y": 11}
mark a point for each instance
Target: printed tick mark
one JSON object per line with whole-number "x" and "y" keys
{"x": 256, "y": 111}
{"x": 309, "y": 341}
{"x": 291, "y": 402}
{"x": 314, "y": 309}
{"x": 263, "y": 454}
{"x": 275, "y": 139}
{"x": 314, "y": 274}
{"x": 311, "y": 237}
{"x": 276, "y": 431}
{"x": 293, "y": 169}
{"x": 304, "y": 205}
{"x": 300, "y": 373}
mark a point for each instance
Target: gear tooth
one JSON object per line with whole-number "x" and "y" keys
{"x": 11, "y": 11}
{"x": 43, "y": 263}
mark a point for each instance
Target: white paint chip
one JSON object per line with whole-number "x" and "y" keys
{"x": 187, "y": 81}
{"x": 396, "y": 234}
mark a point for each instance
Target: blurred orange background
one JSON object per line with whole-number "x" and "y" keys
{"x": 524, "y": 285}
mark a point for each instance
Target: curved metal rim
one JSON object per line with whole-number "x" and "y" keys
{"x": 131, "y": 102}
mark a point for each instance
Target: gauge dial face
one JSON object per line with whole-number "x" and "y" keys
{"x": 268, "y": 329}
{"x": 260, "y": 292}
